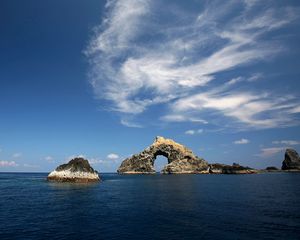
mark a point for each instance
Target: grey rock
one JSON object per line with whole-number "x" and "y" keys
{"x": 272, "y": 169}
{"x": 217, "y": 168}
{"x": 76, "y": 170}
{"x": 291, "y": 160}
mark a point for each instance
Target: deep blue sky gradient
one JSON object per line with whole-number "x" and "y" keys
{"x": 48, "y": 108}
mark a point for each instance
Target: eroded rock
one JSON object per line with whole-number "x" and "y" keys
{"x": 180, "y": 159}
{"x": 76, "y": 170}
{"x": 291, "y": 160}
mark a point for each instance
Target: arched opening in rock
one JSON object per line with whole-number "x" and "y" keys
{"x": 159, "y": 163}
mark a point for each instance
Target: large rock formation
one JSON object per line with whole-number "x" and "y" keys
{"x": 218, "y": 168}
{"x": 180, "y": 159}
{"x": 291, "y": 160}
{"x": 77, "y": 170}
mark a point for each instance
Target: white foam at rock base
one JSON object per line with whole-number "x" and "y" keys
{"x": 69, "y": 174}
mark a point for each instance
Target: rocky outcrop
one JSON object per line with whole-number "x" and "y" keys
{"x": 77, "y": 170}
{"x": 291, "y": 160}
{"x": 180, "y": 159}
{"x": 272, "y": 169}
{"x": 235, "y": 168}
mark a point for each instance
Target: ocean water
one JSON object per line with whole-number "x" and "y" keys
{"x": 262, "y": 206}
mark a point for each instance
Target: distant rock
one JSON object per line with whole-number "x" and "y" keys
{"x": 235, "y": 168}
{"x": 76, "y": 170}
{"x": 272, "y": 169}
{"x": 291, "y": 160}
{"x": 180, "y": 159}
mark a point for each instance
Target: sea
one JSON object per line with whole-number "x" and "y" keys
{"x": 258, "y": 206}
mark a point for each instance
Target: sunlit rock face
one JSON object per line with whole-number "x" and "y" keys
{"x": 77, "y": 170}
{"x": 291, "y": 160}
{"x": 180, "y": 159}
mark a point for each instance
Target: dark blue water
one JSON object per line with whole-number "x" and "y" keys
{"x": 263, "y": 206}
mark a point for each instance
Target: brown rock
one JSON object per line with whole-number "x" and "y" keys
{"x": 180, "y": 159}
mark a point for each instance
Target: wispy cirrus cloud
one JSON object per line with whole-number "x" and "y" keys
{"x": 270, "y": 152}
{"x": 137, "y": 62}
{"x": 287, "y": 142}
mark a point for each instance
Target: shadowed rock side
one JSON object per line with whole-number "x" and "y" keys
{"x": 291, "y": 160}
{"x": 180, "y": 159}
{"x": 77, "y": 170}
{"x": 218, "y": 168}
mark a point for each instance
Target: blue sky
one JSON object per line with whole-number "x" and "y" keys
{"x": 103, "y": 78}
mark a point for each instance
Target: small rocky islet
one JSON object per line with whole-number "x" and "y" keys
{"x": 181, "y": 160}
{"x": 77, "y": 170}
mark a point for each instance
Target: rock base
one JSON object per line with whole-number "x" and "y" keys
{"x": 68, "y": 176}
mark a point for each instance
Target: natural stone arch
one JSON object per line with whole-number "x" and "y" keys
{"x": 180, "y": 159}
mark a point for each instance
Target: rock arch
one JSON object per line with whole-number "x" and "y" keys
{"x": 180, "y": 159}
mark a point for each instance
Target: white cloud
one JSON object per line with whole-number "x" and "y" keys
{"x": 296, "y": 109}
{"x": 110, "y": 159}
{"x": 130, "y": 124}
{"x": 112, "y": 156}
{"x": 17, "y": 155}
{"x": 190, "y": 132}
{"x": 193, "y": 132}
{"x": 183, "y": 59}
{"x": 270, "y": 152}
{"x": 242, "y": 141}
{"x": 96, "y": 161}
{"x": 255, "y": 77}
{"x": 242, "y": 107}
{"x": 287, "y": 142}
{"x": 251, "y": 3}
{"x": 8, "y": 164}
{"x": 235, "y": 80}
{"x": 182, "y": 118}
{"x": 49, "y": 159}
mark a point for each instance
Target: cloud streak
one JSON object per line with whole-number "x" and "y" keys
{"x": 270, "y": 152}
{"x": 194, "y": 132}
{"x": 137, "y": 63}
{"x": 113, "y": 156}
{"x": 8, "y": 164}
{"x": 287, "y": 142}
{"x": 242, "y": 141}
